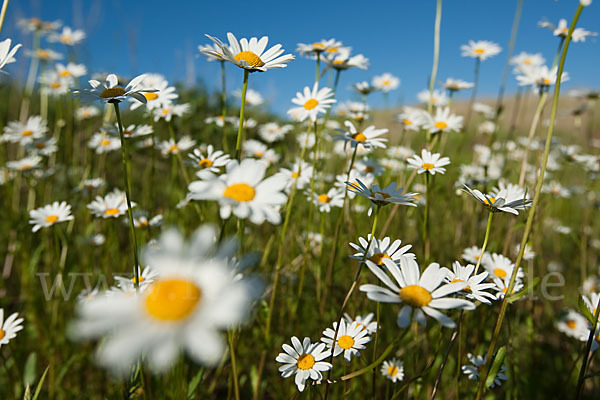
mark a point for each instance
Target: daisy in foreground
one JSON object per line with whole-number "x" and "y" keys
{"x": 350, "y": 338}
{"x": 508, "y": 199}
{"x": 111, "y": 92}
{"x": 195, "y": 295}
{"x": 312, "y": 103}
{"x": 428, "y": 162}
{"x": 478, "y": 362}
{"x": 9, "y": 327}
{"x": 242, "y": 191}
{"x": 393, "y": 370}
{"x": 251, "y": 54}
{"x": 424, "y": 293}
{"x": 303, "y": 360}
{"x": 381, "y": 197}
{"x": 49, "y": 215}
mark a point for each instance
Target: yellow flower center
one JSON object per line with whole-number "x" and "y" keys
{"x": 295, "y": 175}
{"x": 386, "y": 82}
{"x": 40, "y": 146}
{"x": 51, "y": 219}
{"x": 150, "y": 96}
{"x": 165, "y": 111}
{"x": 127, "y": 132}
{"x": 332, "y": 50}
{"x": 111, "y": 211}
{"x": 346, "y": 342}
{"x": 25, "y": 167}
{"x": 319, "y": 45}
{"x": 546, "y": 81}
{"x": 427, "y": 166}
{"x": 407, "y": 121}
{"x": 324, "y": 198}
{"x": 112, "y": 92}
{"x": 490, "y": 201}
{"x": 27, "y": 133}
{"x": 104, "y": 142}
{"x": 479, "y": 51}
{"x": 172, "y": 300}
{"x": 141, "y": 279}
{"x": 527, "y": 61}
{"x": 441, "y": 125}
{"x": 240, "y": 192}
{"x": 565, "y": 30}
{"x": 2, "y": 334}
{"x": 392, "y": 370}
{"x": 467, "y": 289}
{"x": 310, "y": 104}
{"x": 415, "y": 296}
{"x": 205, "y": 163}
{"x": 305, "y": 361}
{"x": 369, "y": 169}
{"x": 500, "y": 273}
{"x": 359, "y": 137}
{"x": 571, "y": 324}
{"x": 55, "y": 85}
{"x": 259, "y": 154}
{"x": 43, "y": 53}
{"x": 250, "y": 58}
{"x": 65, "y": 73}
{"x": 172, "y": 148}
{"x": 378, "y": 258}
{"x": 338, "y": 62}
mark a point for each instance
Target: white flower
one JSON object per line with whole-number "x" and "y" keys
{"x": 113, "y": 205}
{"x": 25, "y": 164}
{"x": 146, "y": 277}
{"x": 364, "y": 321}
{"x": 482, "y": 49}
{"x": 16, "y": 132}
{"x": 212, "y": 51}
{"x": 472, "y": 254}
{"x": 573, "y": 324}
{"x": 49, "y": 215}
{"x": 436, "y": 98}
{"x": 562, "y": 30}
{"x": 455, "y": 85}
{"x": 381, "y": 197}
{"x": 194, "y": 297}
{"x": 9, "y": 327}
{"x": 303, "y": 360}
{"x": 422, "y": 293}
{"x": 253, "y": 98}
{"x": 104, "y": 143}
{"x": 475, "y": 289}
{"x": 243, "y": 191}
{"x": 300, "y": 172}
{"x": 329, "y": 46}
{"x": 68, "y": 36}
{"x": 342, "y": 61}
{"x": 166, "y": 111}
{"x": 110, "y": 92}
{"x": 349, "y": 340}
{"x": 380, "y": 249}
{"x": 211, "y": 162}
{"x": 312, "y": 103}
{"x": 160, "y": 94}
{"x": 71, "y": 70}
{"x": 393, "y": 370}
{"x": 368, "y": 138}
{"x": 386, "y": 82}
{"x": 500, "y": 266}
{"x": 272, "y": 132}
{"x": 526, "y": 60}
{"x": 443, "y": 121}
{"x": 507, "y": 200}
{"x": 332, "y": 198}
{"x": 428, "y": 162}
{"x": 7, "y": 55}
{"x": 171, "y": 146}
{"x": 540, "y": 76}
{"x": 477, "y": 363}
{"x": 86, "y": 112}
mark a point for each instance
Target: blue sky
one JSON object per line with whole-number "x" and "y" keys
{"x": 132, "y": 37}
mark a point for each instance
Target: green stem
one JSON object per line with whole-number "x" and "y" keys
{"x": 485, "y": 241}
{"x": 318, "y": 66}
{"x": 238, "y": 143}
{"x": 3, "y": 13}
{"x": 127, "y": 183}
{"x": 529, "y": 223}
{"x": 236, "y": 388}
{"x": 426, "y": 248}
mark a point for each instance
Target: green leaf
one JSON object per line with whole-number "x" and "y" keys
{"x": 29, "y": 373}
{"x": 194, "y": 384}
{"x": 38, "y": 389}
{"x": 516, "y": 296}
{"x": 584, "y": 310}
{"x": 498, "y": 360}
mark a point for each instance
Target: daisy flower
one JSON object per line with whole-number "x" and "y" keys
{"x": 44, "y": 54}
{"x": 540, "y": 76}
{"x": 424, "y": 293}
{"x": 412, "y": 119}
{"x": 481, "y": 49}
{"x": 9, "y": 327}
{"x": 500, "y": 266}
{"x": 528, "y": 253}
{"x": 436, "y": 98}
{"x": 562, "y": 30}
{"x": 242, "y": 191}
{"x": 171, "y": 146}
{"x": 343, "y": 61}
{"x": 94, "y": 183}
{"x": 364, "y": 321}
{"x": 312, "y": 103}
{"x": 428, "y": 162}
{"x": 368, "y": 138}
{"x": 591, "y": 301}
{"x": 487, "y": 127}
{"x": 53, "y": 84}
{"x": 443, "y": 121}
{"x": 25, "y": 164}
{"x": 146, "y": 277}
{"x": 332, "y": 198}
{"x": 305, "y": 360}
{"x": 364, "y": 88}
{"x": 104, "y": 143}
{"x": 318, "y": 47}
{"x": 472, "y": 254}
{"x": 386, "y": 82}
{"x": 477, "y": 362}
{"x": 211, "y": 162}
{"x": 381, "y": 197}
{"x": 503, "y": 284}
{"x": 487, "y": 111}
{"x": 253, "y": 98}
{"x": 113, "y": 205}
{"x": 49, "y": 215}
{"x": 349, "y": 340}
{"x": 506, "y": 200}
{"x": 37, "y": 25}
{"x": 141, "y": 221}
{"x": 251, "y": 54}
{"x": 475, "y": 289}
{"x": 526, "y": 60}
{"x": 393, "y": 370}
{"x": 573, "y": 324}
{"x": 380, "y": 249}
{"x": 454, "y": 85}
{"x": 7, "y": 55}
{"x": 111, "y": 92}
{"x": 160, "y": 92}
{"x": 273, "y": 132}
{"x": 167, "y": 111}
{"x": 71, "y": 70}
{"x": 17, "y": 132}
{"x": 86, "y": 112}
{"x": 67, "y": 36}
{"x": 133, "y": 131}
{"x": 212, "y": 51}
{"x": 194, "y": 297}
{"x": 300, "y": 172}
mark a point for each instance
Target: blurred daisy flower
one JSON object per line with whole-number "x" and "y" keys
{"x": 111, "y": 92}
{"x": 424, "y": 293}
{"x": 159, "y": 94}
{"x": 364, "y": 88}
{"x": 25, "y": 164}
{"x": 251, "y": 54}
{"x": 380, "y": 249}
{"x": 168, "y": 147}
{"x": 573, "y": 324}
{"x": 436, "y": 98}
{"x": 17, "y": 132}
{"x": 49, "y": 215}
{"x": 472, "y": 254}
{"x": 481, "y": 49}
{"x": 37, "y": 25}
{"x": 253, "y": 98}
{"x": 412, "y": 119}
{"x": 368, "y": 138}
{"x": 146, "y": 277}
{"x": 86, "y": 112}
{"x": 113, "y": 205}
{"x": 167, "y": 111}
{"x": 332, "y": 198}
{"x": 350, "y": 339}
{"x": 477, "y": 362}
{"x": 194, "y": 296}
{"x": 503, "y": 284}
{"x": 67, "y": 36}
{"x": 508, "y": 200}
{"x": 305, "y": 360}
{"x": 272, "y": 132}
{"x": 540, "y": 76}
{"x": 300, "y": 173}
{"x": 526, "y": 60}
{"x": 393, "y": 370}
{"x": 7, "y": 55}
{"x": 9, "y": 327}
{"x": 386, "y": 82}
{"x": 343, "y": 61}
{"x": 241, "y": 190}
{"x": 311, "y": 103}
{"x": 209, "y": 163}
{"x": 428, "y": 162}
{"x": 443, "y": 121}
{"x": 454, "y": 85}
{"x": 364, "y": 321}
{"x": 330, "y": 45}
{"x": 44, "y": 54}
{"x": 562, "y": 30}
{"x": 142, "y": 221}
{"x": 475, "y": 289}
{"x": 104, "y": 143}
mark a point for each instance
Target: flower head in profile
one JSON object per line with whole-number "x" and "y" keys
{"x": 26, "y": 164}
{"x": 364, "y": 87}
{"x": 312, "y": 103}
{"x": 49, "y": 215}
{"x": 212, "y": 51}
{"x": 436, "y": 98}
{"x": 386, "y": 82}
{"x": 251, "y": 54}
{"x": 7, "y": 55}
{"x": 241, "y": 190}
{"x": 508, "y": 200}
{"x": 540, "y": 76}
{"x": 424, "y": 293}
{"x": 562, "y": 30}
{"x": 454, "y": 85}
{"x": 9, "y": 327}
{"x": 342, "y": 61}
{"x": 412, "y": 118}
{"x": 68, "y": 36}
{"x": 350, "y": 339}
{"x": 272, "y": 132}
{"x": 327, "y": 46}
{"x": 443, "y": 121}
{"x": 304, "y": 360}
{"x": 393, "y": 370}
{"x": 527, "y": 60}
{"x": 367, "y": 138}
{"x": 381, "y": 197}
{"x": 169, "y": 147}
{"x": 111, "y": 92}
{"x": 113, "y": 205}
{"x": 481, "y": 49}
{"x": 428, "y": 162}
{"x": 195, "y": 295}
{"x": 158, "y": 93}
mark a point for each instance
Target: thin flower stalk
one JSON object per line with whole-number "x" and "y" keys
{"x": 238, "y": 143}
